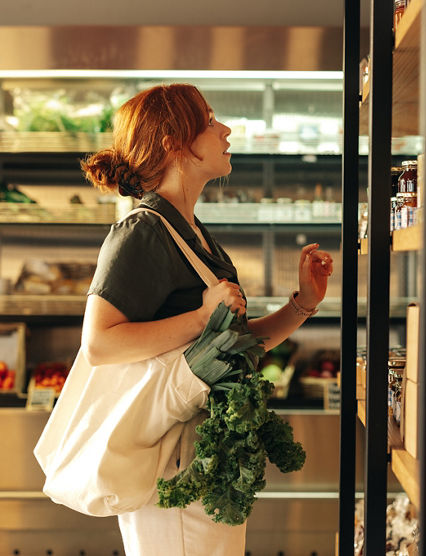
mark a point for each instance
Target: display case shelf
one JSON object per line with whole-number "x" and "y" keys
{"x": 408, "y": 239}
{"x": 405, "y": 114}
{"x": 407, "y": 470}
{"x": 404, "y": 466}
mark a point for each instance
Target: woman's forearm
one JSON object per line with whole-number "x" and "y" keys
{"x": 127, "y": 342}
{"x": 276, "y": 327}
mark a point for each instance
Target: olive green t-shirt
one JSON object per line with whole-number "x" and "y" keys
{"x": 144, "y": 274}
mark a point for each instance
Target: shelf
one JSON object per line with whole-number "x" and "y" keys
{"x": 405, "y": 82}
{"x": 406, "y": 469}
{"x": 408, "y": 239}
{"x": 361, "y": 412}
{"x": 81, "y": 142}
{"x": 404, "y": 466}
{"x": 363, "y": 250}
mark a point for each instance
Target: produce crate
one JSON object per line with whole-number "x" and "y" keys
{"x": 12, "y": 356}
{"x": 316, "y": 387}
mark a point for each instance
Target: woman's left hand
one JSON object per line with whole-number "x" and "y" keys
{"x": 315, "y": 267}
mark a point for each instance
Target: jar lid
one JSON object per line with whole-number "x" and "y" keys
{"x": 409, "y": 162}
{"x": 396, "y": 362}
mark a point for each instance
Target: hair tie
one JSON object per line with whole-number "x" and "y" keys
{"x": 125, "y": 186}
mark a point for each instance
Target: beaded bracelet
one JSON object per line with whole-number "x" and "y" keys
{"x": 298, "y": 309}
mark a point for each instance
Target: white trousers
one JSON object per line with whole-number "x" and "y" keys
{"x": 153, "y": 531}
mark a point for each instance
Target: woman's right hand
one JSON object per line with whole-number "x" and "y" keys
{"x": 225, "y": 291}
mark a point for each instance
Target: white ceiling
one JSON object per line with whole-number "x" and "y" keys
{"x": 176, "y": 12}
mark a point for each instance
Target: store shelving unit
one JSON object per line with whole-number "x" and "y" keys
{"x": 405, "y": 71}
{"x": 391, "y": 102}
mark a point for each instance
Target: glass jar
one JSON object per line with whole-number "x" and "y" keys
{"x": 407, "y": 181}
{"x": 395, "y": 173}
{"x": 398, "y": 207}
{"x": 398, "y": 12}
{"x": 408, "y": 209}
{"x": 396, "y": 366}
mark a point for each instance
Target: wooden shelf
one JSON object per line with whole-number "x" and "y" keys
{"x": 361, "y": 411}
{"x": 406, "y": 470}
{"x": 394, "y": 435}
{"x": 363, "y": 249}
{"x": 405, "y": 82}
{"x": 407, "y": 239}
{"x": 404, "y": 466}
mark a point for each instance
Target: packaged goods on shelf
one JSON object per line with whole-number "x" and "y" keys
{"x": 57, "y": 278}
{"x": 402, "y": 532}
{"x": 406, "y": 202}
{"x": 399, "y": 9}
{"x": 12, "y": 357}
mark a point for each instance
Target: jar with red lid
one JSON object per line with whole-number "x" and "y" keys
{"x": 398, "y": 12}
{"x": 407, "y": 181}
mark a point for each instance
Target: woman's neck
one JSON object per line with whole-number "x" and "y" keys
{"x": 181, "y": 193}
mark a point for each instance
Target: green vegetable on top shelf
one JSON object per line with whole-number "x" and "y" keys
{"x": 234, "y": 441}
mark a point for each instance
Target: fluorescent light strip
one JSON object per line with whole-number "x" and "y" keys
{"x": 171, "y": 74}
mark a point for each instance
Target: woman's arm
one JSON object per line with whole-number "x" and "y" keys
{"x": 108, "y": 336}
{"x": 315, "y": 267}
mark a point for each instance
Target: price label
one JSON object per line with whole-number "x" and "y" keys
{"x": 40, "y": 399}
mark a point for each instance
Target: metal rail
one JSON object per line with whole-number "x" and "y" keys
{"x": 379, "y": 185}
{"x": 350, "y": 188}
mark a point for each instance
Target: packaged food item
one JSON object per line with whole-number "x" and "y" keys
{"x": 396, "y": 366}
{"x": 406, "y": 203}
{"x": 395, "y": 173}
{"x": 398, "y": 12}
{"x": 407, "y": 181}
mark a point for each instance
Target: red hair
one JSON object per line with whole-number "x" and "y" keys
{"x": 155, "y": 122}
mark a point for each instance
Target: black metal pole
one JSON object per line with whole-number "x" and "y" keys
{"x": 422, "y": 334}
{"x": 379, "y": 184}
{"x": 348, "y": 331}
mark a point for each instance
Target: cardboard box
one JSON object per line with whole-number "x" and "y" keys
{"x": 413, "y": 325}
{"x": 411, "y": 398}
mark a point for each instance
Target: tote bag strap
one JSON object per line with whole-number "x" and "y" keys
{"x": 201, "y": 268}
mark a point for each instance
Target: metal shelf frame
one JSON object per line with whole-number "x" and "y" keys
{"x": 349, "y": 316}
{"x": 378, "y": 319}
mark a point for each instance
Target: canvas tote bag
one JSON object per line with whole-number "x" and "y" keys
{"x": 115, "y": 427}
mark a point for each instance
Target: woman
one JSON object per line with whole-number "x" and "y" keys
{"x": 145, "y": 298}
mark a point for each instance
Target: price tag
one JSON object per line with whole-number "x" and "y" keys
{"x": 40, "y": 399}
{"x": 332, "y": 396}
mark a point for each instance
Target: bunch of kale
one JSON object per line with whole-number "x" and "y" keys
{"x": 230, "y": 455}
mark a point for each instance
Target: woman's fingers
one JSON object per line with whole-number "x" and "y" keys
{"x": 323, "y": 262}
{"x": 229, "y": 293}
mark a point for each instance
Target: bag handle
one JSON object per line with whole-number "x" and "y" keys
{"x": 201, "y": 268}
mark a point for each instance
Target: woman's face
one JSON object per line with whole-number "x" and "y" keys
{"x": 211, "y": 148}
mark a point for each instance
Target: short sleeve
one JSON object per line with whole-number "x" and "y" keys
{"x": 133, "y": 271}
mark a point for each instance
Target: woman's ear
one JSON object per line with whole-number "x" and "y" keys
{"x": 167, "y": 143}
